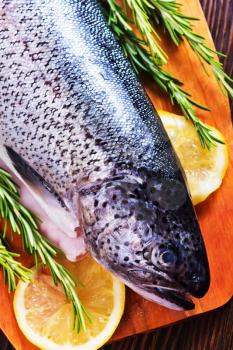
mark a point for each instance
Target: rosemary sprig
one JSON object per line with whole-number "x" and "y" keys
{"x": 147, "y": 30}
{"x": 12, "y": 269}
{"x": 24, "y": 223}
{"x": 143, "y": 62}
{"x": 179, "y": 26}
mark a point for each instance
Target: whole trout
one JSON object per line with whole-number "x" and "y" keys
{"x": 79, "y": 131}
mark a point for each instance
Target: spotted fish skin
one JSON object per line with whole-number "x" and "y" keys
{"x": 76, "y": 121}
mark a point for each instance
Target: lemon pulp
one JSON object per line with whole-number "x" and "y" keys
{"x": 204, "y": 169}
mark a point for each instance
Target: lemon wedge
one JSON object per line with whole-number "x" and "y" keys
{"x": 45, "y": 316}
{"x": 204, "y": 169}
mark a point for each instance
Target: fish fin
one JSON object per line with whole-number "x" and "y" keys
{"x": 29, "y": 174}
{"x": 42, "y": 191}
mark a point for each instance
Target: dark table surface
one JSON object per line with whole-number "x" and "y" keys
{"x": 213, "y": 330}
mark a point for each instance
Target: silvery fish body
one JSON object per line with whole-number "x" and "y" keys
{"x": 78, "y": 130}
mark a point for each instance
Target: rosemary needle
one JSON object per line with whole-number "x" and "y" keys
{"x": 12, "y": 269}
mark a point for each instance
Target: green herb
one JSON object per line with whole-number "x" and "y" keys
{"x": 23, "y": 222}
{"x": 179, "y": 26}
{"x": 147, "y": 30}
{"x": 12, "y": 269}
{"x": 143, "y": 61}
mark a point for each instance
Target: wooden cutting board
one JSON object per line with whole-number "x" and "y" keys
{"x": 215, "y": 214}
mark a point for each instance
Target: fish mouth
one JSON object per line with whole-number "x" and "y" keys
{"x": 168, "y": 293}
{"x": 175, "y": 299}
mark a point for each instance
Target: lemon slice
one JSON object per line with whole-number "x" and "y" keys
{"x": 45, "y": 317}
{"x": 204, "y": 168}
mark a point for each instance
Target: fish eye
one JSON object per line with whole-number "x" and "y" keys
{"x": 167, "y": 257}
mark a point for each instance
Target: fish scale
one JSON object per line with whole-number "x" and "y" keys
{"x": 79, "y": 130}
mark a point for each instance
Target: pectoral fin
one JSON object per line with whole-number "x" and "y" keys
{"x": 42, "y": 191}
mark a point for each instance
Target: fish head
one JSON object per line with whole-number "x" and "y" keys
{"x": 143, "y": 228}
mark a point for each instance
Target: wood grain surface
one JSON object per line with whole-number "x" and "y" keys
{"x": 213, "y": 330}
